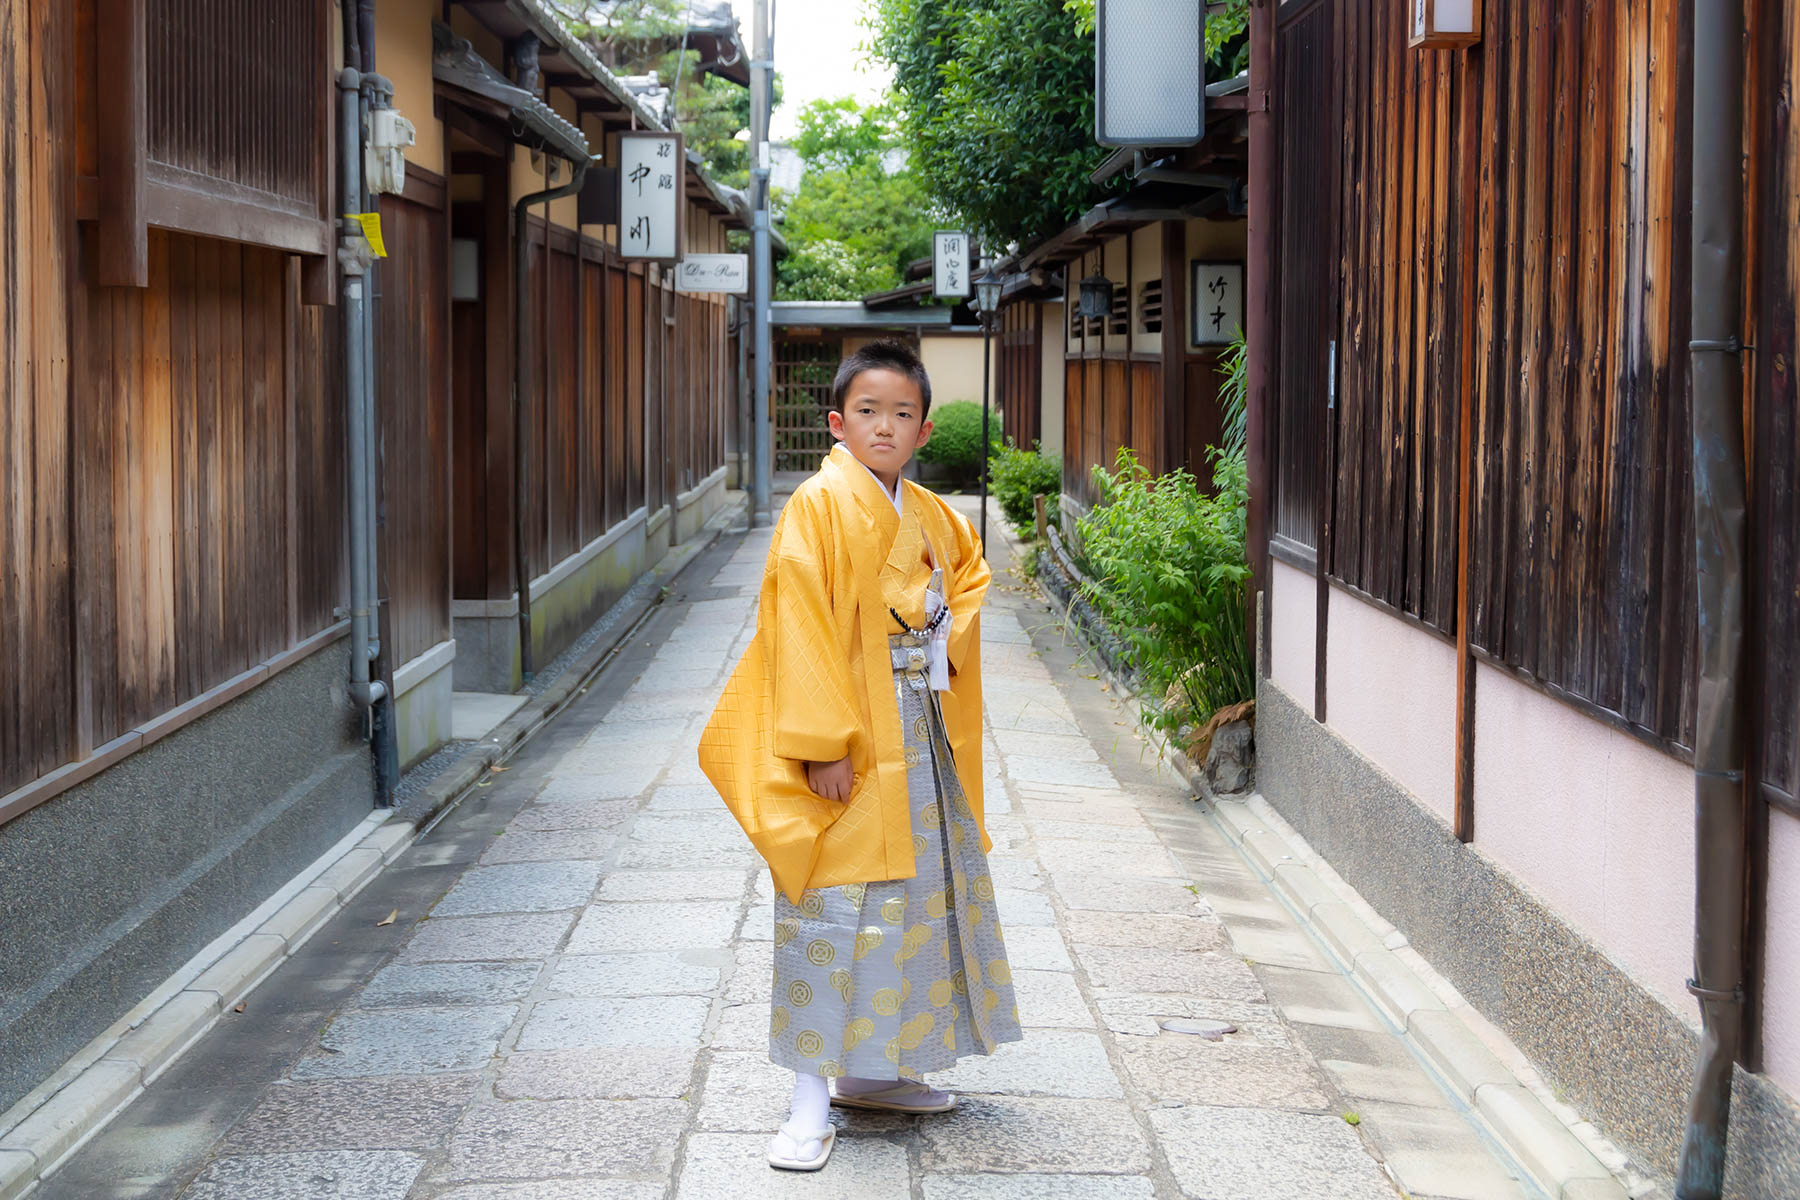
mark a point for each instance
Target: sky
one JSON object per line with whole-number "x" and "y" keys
{"x": 816, "y": 55}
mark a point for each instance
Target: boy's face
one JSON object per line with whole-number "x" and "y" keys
{"x": 882, "y": 422}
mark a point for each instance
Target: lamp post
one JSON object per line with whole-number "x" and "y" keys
{"x": 987, "y": 298}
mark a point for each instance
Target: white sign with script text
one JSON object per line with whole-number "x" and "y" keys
{"x": 651, "y": 192}
{"x": 713, "y": 273}
{"x": 951, "y": 267}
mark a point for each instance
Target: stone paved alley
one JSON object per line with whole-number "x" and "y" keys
{"x": 572, "y": 1001}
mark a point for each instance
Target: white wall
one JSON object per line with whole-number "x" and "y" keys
{"x": 1781, "y": 1020}
{"x": 1390, "y": 691}
{"x": 1053, "y": 389}
{"x": 1293, "y": 636}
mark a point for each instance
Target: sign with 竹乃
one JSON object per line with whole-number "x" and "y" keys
{"x": 951, "y": 266}
{"x": 1216, "y": 300}
{"x": 713, "y": 273}
{"x": 651, "y": 191}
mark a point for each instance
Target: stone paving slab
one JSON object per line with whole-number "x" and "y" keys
{"x": 584, "y": 1013}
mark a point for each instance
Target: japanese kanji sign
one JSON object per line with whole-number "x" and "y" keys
{"x": 1216, "y": 300}
{"x": 651, "y": 194}
{"x": 728, "y": 273}
{"x": 951, "y": 267}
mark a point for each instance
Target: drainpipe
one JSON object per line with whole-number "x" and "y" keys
{"x": 1716, "y": 374}
{"x": 353, "y": 256}
{"x": 1259, "y": 324}
{"x": 521, "y": 339}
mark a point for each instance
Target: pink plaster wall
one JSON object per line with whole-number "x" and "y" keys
{"x": 1597, "y": 823}
{"x": 1293, "y": 637}
{"x": 1390, "y": 691}
{"x": 1781, "y": 987}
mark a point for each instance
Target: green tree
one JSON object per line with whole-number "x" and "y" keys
{"x": 854, "y": 224}
{"x": 998, "y": 98}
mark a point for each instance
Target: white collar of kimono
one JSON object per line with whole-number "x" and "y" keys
{"x": 899, "y": 487}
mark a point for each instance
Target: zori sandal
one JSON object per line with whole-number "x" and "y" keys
{"x": 788, "y": 1151}
{"x": 907, "y": 1096}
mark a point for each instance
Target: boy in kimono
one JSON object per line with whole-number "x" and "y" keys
{"x": 848, "y": 745}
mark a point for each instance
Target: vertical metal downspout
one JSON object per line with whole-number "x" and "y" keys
{"x": 1716, "y": 372}
{"x": 521, "y": 394}
{"x": 761, "y": 68}
{"x": 356, "y": 399}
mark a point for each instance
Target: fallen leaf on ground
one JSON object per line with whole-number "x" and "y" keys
{"x": 389, "y": 919}
{"x": 240, "y": 1007}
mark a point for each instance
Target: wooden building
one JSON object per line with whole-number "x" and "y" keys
{"x": 176, "y": 742}
{"x": 1478, "y": 569}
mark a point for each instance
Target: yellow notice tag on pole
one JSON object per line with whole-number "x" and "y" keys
{"x": 371, "y": 227}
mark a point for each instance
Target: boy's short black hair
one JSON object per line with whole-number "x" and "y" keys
{"x": 885, "y": 355}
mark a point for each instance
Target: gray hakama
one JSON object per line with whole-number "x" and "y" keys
{"x": 893, "y": 979}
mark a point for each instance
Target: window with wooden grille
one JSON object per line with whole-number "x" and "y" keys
{"x": 1150, "y": 307}
{"x": 1121, "y": 310}
{"x": 214, "y": 119}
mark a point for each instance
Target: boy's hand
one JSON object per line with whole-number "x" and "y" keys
{"x": 832, "y": 780}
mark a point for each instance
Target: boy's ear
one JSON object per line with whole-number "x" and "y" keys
{"x": 924, "y": 433}
{"x": 834, "y": 421}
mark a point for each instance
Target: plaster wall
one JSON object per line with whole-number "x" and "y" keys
{"x": 1293, "y": 638}
{"x": 1115, "y": 258}
{"x": 954, "y": 363}
{"x": 1390, "y": 691}
{"x": 1052, "y": 392}
{"x": 1593, "y": 820}
{"x": 403, "y": 54}
{"x": 1146, "y": 265}
{"x": 1781, "y": 1016}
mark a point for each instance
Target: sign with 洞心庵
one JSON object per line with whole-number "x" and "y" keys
{"x": 1216, "y": 298}
{"x": 651, "y": 167}
{"x": 951, "y": 266}
{"x": 713, "y": 273}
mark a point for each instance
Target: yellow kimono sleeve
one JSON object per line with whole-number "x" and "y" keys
{"x": 968, "y": 582}
{"x": 816, "y": 712}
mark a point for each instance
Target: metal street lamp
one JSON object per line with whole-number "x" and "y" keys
{"x": 987, "y": 298}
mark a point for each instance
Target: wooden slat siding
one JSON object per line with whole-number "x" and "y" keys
{"x": 320, "y": 558}
{"x": 591, "y": 280}
{"x": 1145, "y": 428}
{"x": 471, "y": 476}
{"x": 618, "y": 461}
{"x": 97, "y": 476}
{"x": 561, "y": 414}
{"x": 413, "y": 390}
{"x": 1776, "y": 432}
{"x": 635, "y": 391}
{"x": 1304, "y": 82}
{"x": 1072, "y": 402}
{"x": 1559, "y": 363}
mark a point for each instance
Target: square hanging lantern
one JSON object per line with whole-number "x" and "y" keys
{"x": 1095, "y": 303}
{"x": 1444, "y": 24}
{"x": 987, "y": 291}
{"x": 1149, "y": 72}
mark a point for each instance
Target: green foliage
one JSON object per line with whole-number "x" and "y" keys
{"x": 1016, "y": 476}
{"x": 956, "y": 437}
{"x": 1172, "y": 580}
{"x": 999, "y": 104}
{"x": 1234, "y": 397}
{"x": 853, "y": 226}
{"x": 998, "y": 98}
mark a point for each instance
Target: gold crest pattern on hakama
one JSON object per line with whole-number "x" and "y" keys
{"x": 891, "y": 979}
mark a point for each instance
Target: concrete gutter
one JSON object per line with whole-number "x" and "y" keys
{"x": 75, "y": 1103}
{"x": 1564, "y": 1155}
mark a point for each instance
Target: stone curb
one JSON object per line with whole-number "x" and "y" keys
{"x": 119, "y": 1072}
{"x": 1555, "y": 1158}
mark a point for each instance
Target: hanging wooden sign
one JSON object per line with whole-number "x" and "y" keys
{"x": 651, "y": 195}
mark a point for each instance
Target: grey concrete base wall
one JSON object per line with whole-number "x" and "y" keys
{"x": 1618, "y": 1054}
{"x": 422, "y": 713}
{"x": 110, "y": 887}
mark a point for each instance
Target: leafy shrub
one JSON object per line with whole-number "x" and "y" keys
{"x": 1017, "y": 476}
{"x": 1173, "y": 582}
{"x": 956, "y": 437}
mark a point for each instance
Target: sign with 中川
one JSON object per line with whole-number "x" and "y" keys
{"x": 651, "y": 191}
{"x": 1216, "y": 299}
{"x": 713, "y": 273}
{"x": 951, "y": 266}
